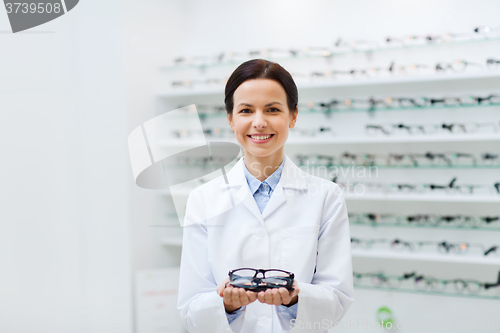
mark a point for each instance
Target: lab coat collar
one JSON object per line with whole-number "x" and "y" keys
{"x": 272, "y": 180}
{"x": 291, "y": 177}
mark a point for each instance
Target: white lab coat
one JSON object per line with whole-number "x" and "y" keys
{"x": 303, "y": 229}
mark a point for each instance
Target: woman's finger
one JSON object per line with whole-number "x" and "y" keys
{"x": 236, "y": 297}
{"x": 261, "y": 296}
{"x": 243, "y": 296}
{"x": 251, "y": 296}
{"x": 269, "y": 296}
{"x": 222, "y": 286}
{"x": 285, "y": 295}
{"x": 228, "y": 296}
{"x": 276, "y": 297}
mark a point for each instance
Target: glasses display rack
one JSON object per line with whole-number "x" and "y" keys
{"x": 347, "y": 132}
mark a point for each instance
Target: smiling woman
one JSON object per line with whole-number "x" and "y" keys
{"x": 284, "y": 220}
{"x": 261, "y": 104}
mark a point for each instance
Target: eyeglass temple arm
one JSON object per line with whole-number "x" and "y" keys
{"x": 490, "y": 285}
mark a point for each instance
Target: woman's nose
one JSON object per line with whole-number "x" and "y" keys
{"x": 259, "y": 120}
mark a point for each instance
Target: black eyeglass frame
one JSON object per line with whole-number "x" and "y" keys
{"x": 257, "y": 283}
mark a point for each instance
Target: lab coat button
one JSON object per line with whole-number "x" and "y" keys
{"x": 263, "y": 320}
{"x": 260, "y": 233}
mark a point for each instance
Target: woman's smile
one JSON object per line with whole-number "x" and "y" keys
{"x": 260, "y": 138}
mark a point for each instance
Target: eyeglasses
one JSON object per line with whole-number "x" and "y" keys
{"x": 398, "y": 245}
{"x": 372, "y": 103}
{"x": 247, "y": 278}
{"x": 425, "y": 283}
{"x": 423, "y": 219}
{"x": 398, "y": 159}
{"x": 366, "y": 243}
{"x": 487, "y": 31}
{"x": 492, "y": 63}
{"x": 489, "y": 158}
{"x": 450, "y": 188}
{"x": 456, "y": 66}
{"x": 190, "y": 83}
{"x": 389, "y": 129}
{"x": 432, "y": 220}
{"x": 312, "y": 132}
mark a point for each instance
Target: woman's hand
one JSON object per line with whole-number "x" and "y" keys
{"x": 280, "y": 296}
{"x": 234, "y": 298}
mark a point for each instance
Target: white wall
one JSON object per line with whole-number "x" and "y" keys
{"x": 165, "y": 29}
{"x": 157, "y": 31}
{"x": 64, "y": 175}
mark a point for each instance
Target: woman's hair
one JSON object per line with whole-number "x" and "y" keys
{"x": 261, "y": 69}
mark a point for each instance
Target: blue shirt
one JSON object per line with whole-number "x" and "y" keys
{"x": 262, "y": 192}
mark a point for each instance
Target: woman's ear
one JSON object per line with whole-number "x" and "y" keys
{"x": 294, "y": 118}
{"x": 230, "y": 121}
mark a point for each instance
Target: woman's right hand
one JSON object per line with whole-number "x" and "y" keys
{"x": 234, "y": 298}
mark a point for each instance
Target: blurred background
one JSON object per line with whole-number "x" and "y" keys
{"x": 399, "y": 105}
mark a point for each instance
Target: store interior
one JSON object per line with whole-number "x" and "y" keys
{"x": 398, "y": 104}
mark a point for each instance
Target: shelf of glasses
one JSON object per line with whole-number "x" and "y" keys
{"x": 422, "y": 226}
{"x": 384, "y": 197}
{"x": 392, "y": 139}
{"x": 308, "y": 111}
{"x": 446, "y": 257}
{"x": 381, "y": 166}
{"x": 187, "y": 142}
{"x": 333, "y": 83}
{"x": 424, "y": 198}
{"x": 322, "y": 56}
{"x": 433, "y": 293}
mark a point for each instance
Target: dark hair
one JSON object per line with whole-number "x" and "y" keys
{"x": 261, "y": 69}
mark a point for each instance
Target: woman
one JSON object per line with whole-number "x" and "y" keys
{"x": 281, "y": 218}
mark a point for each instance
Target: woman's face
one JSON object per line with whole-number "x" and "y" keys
{"x": 261, "y": 118}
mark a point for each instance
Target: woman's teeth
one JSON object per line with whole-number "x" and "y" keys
{"x": 260, "y": 137}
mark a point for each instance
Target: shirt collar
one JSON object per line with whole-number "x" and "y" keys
{"x": 272, "y": 180}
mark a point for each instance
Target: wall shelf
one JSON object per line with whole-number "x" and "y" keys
{"x": 331, "y": 140}
{"x": 434, "y": 257}
{"x": 328, "y": 112}
{"x": 331, "y": 84}
{"x": 423, "y": 198}
{"x": 422, "y": 226}
{"x": 434, "y": 293}
{"x": 333, "y": 52}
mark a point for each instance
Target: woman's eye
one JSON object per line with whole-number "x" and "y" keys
{"x": 244, "y": 110}
{"x": 273, "y": 109}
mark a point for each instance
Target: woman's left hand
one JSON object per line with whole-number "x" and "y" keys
{"x": 280, "y": 296}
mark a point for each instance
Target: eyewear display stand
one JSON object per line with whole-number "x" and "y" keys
{"x": 346, "y": 132}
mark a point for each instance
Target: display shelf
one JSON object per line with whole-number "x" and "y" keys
{"x": 434, "y": 257}
{"x": 386, "y": 197}
{"x": 423, "y": 198}
{"x": 422, "y": 226}
{"x": 333, "y": 83}
{"x": 187, "y": 142}
{"x": 381, "y": 166}
{"x": 433, "y": 293}
{"x": 308, "y": 111}
{"x": 332, "y": 53}
{"x": 392, "y": 139}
